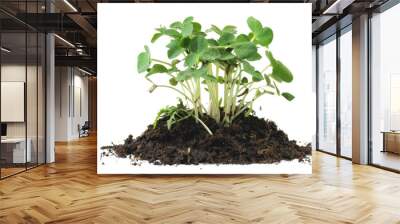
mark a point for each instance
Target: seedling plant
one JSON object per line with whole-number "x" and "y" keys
{"x": 214, "y": 64}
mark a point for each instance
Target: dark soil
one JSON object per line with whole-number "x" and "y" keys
{"x": 249, "y": 140}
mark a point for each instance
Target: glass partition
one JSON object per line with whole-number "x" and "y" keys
{"x": 23, "y": 89}
{"x": 327, "y": 95}
{"x": 14, "y": 153}
{"x": 385, "y": 89}
{"x": 346, "y": 93}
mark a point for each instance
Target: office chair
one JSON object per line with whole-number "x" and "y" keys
{"x": 84, "y": 130}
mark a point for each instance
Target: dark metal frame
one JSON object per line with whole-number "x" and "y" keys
{"x": 338, "y": 97}
{"x": 369, "y": 90}
{"x": 0, "y": 89}
{"x": 37, "y": 164}
{"x": 317, "y": 97}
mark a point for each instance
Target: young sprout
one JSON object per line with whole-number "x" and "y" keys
{"x": 197, "y": 61}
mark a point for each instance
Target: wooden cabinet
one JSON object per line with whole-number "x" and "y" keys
{"x": 391, "y": 142}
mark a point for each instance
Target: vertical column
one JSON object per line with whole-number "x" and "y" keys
{"x": 50, "y": 92}
{"x": 360, "y": 90}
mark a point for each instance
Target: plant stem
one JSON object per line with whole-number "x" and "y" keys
{"x": 234, "y": 105}
{"x": 224, "y": 46}
{"x": 266, "y": 67}
{"x": 159, "y": 61}
{"x": 175, "y": 89}
{"x": 204, "y": 125}
{"x": 246, "y": 106}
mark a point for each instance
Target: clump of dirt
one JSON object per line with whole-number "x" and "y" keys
{"x": 248, "y": 140}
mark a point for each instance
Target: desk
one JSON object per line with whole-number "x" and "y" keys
{"x": 15, "y": 148}
{"x": 391, "y": 141}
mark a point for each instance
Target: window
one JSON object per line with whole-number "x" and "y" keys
{"x": 385, "y": 89}
{"x": 327, "y": 96}
{"x": 346, "y": 93}
{"x": 22, "y": 101}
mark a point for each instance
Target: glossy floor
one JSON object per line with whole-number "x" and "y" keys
{"x": 387, "y": 159}
{"x": 70, "y": 191}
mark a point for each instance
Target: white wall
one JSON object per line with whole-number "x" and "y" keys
{"x": 16, "y": 73}
{"x": 70, "y": 83}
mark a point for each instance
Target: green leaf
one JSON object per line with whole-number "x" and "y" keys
{"x": 187, "y": 29}
{"x": 215, "y": 29}
{"x": 176, "y": 25}
{"x": 157, "y": 68}
{"x": 208, "y": 77}
{"x": 190, "y": 73}
{"x": 172, "y": 33}
{"x": 256, "y": 76}
{"x": 251, "y": 35}
{"x": 173, "y": 82}
{"x": 211, "y": 54}
{"x": 245, "y": 49}
{"x": 185, "y": 42}
{"x": 188, "y": 19}
{"x": 191, "y": 59}
{"x": 279, "y": 70}
{"x": 155, "y": 37}
{"x": 229, "y": 29}
{"x": 265, "y": 36}
{"x": 196, "y": 73}
{"x": 212, "y": 42}
{"x": 242, "y": 38}
{"x": 174, "y": 49}
{"x": 146, "y": 48}
{"x": 226, "y": 55}
{"x": 184, "y": 75}
{"x": 282, "y": 72}
{"x": 244, "y": 80}
{"x": 288, "y": 96}
{"x": 254, "y": 24}
{"x": 254, "y": 57}
{"x": 198, "y": 44}
{"x": 247, "y": 67}
{"x": 143, "y": 61}
{"x": 174, "y": 62}
{"x": 174, "y": 52}
{"x": 270, "y": 57}
{"x": 226, "y": 38}
{"x": 196, "y": 27}
{"x": 276, "y": 77}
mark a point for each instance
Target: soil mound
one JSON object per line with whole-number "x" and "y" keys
{"x": 249, "y": 140}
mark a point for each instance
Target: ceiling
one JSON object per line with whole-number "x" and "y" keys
{"x": 76, "y": 21}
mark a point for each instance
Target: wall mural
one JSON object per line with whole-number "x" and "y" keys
{"x": 207, "y": 94}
